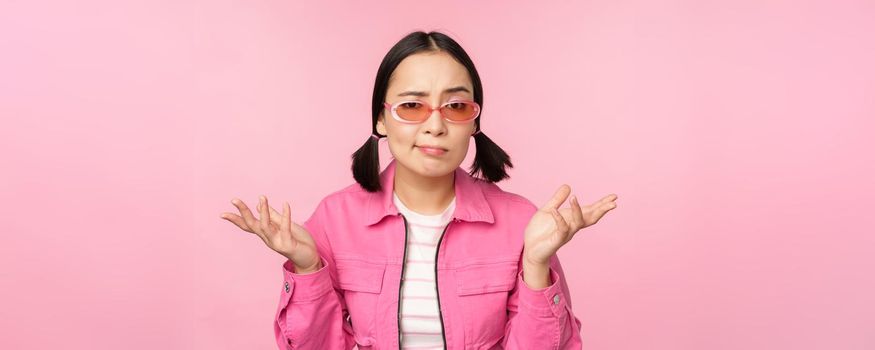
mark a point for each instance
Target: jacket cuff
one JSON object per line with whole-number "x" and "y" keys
{"x": 547, "y": 301}
{"x": 305, "y": 287}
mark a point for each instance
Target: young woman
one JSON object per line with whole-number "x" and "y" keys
{"x": 424, "y": 255}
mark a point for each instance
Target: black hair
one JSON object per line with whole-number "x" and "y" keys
{"x": 490, "y": 160}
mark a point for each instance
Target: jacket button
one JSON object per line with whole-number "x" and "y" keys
{"x": 556, "y": 299}
{"x": 287, "y": 286}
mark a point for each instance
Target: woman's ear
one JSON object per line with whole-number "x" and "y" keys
{"x": 381, "y": 127}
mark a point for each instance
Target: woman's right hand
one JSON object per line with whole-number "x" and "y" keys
{"x": 279, "y": 233}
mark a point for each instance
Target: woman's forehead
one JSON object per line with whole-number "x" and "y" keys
{"x": 432, "y": 72}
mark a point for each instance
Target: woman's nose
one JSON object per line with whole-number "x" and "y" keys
{"x": 435, "y": 122}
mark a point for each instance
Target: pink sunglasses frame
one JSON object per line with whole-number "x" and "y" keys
{"x": 394, "y": 106}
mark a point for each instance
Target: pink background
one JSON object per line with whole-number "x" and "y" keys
{"x": 735, "y": 133}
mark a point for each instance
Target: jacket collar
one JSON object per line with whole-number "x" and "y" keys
{"x": 471, "y": 204}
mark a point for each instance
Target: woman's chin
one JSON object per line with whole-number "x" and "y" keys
{"x": 436, "y": 167}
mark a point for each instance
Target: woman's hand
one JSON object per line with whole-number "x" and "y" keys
{"x": 279, "y": 233}
{"x": 550, "y": 228}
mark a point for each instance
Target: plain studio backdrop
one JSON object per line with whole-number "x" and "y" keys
{"x": 737, "y": 135}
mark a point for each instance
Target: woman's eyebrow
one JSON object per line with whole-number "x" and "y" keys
{"x": 423, "y": 93}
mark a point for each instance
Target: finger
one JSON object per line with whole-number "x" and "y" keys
{"x": 236, "y": 220}
{"x": 603, "y": 209}
{"x": 287, "y": 218}
{"x": 264, "y": 215}
{"x": 597, "y": 204}
{"x": 558, "y": 197}
{"x": 248, "y": 218}
{"x": 576, "y": 214}
{"x": 561, "y": 225}
{"x": 609, "y": 198}
{"x": 247, "y": 221}
{"x": 276, "y": 217}
{"x": 608, "y": 204}
{"x": 608, "y": 207}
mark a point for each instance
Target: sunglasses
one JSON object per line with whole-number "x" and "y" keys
{"x": 454, "y": 111}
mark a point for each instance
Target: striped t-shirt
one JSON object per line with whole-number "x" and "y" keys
{"x": 420, "y": 320}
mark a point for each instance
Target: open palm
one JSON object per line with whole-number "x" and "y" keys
{"x": 278, "y": 232}
{"x": 550, "y": 227}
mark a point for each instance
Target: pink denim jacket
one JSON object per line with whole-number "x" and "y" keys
{"x": 483, "y": 301}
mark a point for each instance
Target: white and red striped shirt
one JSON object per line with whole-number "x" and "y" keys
{"x": 420, "y": 319}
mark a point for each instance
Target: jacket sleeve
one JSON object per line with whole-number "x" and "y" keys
{"x": 542, "y": 318}
{"x": 312, "y": 313}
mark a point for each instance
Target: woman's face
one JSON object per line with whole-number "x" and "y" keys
{"x": 426, "y": 77}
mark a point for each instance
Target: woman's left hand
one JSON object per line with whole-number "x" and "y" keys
{"x": 550, "y": 228}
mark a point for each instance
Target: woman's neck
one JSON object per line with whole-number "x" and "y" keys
{"x": 424, "y": 195}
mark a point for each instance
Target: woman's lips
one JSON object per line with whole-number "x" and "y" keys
{"x": 432, "y": 151}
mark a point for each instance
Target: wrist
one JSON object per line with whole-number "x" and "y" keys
{"x": 536, "y": 277}
{"x": 527, "y": 260}
{"x": 307, "y": 270}
{"x": 536, "y": 273}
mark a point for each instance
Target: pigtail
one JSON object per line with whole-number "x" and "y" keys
{"x": 366, "y": 164}
{"x": 490, "y": 160}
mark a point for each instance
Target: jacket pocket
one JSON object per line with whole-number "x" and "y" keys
{"x": 361, "y": 284}
{"x": 482, "y": 292}
{"x": 361, "y": 278}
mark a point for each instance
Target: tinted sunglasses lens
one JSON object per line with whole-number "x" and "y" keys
{"x": 460, "y": 111}
{"x": 412, "y": 111}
